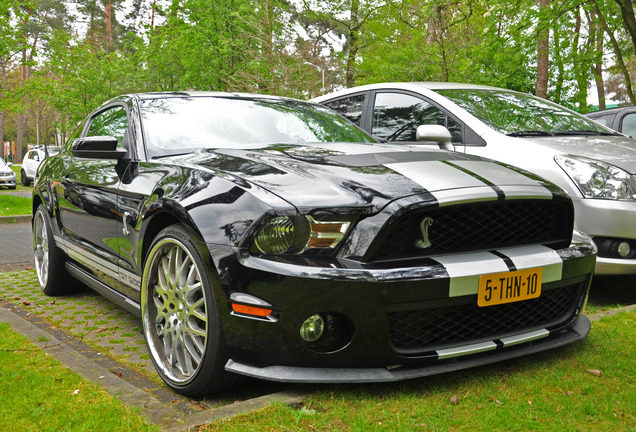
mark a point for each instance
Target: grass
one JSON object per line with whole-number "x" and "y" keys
{"x": 38, "y": 393}
{"x": 11, "y": 205}
{"x": 589, "y": 386}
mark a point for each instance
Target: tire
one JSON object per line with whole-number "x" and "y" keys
{"x": 180, "y": 319}
{"x": 24, "y": 179}
{"x": 49, "y": 259}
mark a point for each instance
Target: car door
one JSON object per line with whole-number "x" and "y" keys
{"x": 626, "y": 123}
{"x": 88, "y": 202}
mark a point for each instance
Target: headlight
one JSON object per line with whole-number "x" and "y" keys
{"x": 296, "y": 234}
{"x": 596, "y": 179}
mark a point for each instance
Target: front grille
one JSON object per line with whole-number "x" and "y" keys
{"x": 477, "y": 226}
{"x": 429, "y": 329}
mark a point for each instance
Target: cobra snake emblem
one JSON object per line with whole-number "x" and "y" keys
{"x": 425, "y": 242}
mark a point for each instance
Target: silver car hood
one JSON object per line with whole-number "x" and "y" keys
{"x": 619, "y": 151}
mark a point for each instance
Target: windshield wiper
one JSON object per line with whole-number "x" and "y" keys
{"x": 586, "y": 132}
{"x": 529, "y": 133}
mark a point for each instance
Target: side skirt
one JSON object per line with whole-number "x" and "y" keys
{"x": 103, "y": 289}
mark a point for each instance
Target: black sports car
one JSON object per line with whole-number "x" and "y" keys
{"x": 269, "y": 237}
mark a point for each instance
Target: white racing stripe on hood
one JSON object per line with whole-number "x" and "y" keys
{"x": 525, "y": 257}
{"x": 532, "y": 192}
{"x": 463, "y": 196}
{"x": 436, "y": 176}
{"x": 495, "y": 173}
{"x": 466, "y": 269}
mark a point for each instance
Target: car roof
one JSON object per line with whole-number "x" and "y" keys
{"x": 424, "y": 86}
{"x": 182, "y": 94}
{"x": 194, "y": 94}
{"x": 611, "y": 111}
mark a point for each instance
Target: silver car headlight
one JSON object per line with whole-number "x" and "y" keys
{"x": 597, "y": 179}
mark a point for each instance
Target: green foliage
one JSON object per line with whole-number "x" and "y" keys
{"x": 295, "y": 49}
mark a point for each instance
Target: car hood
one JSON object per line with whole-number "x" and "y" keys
{"x": 616, "y": 150}
{"x": 328, "y": 175}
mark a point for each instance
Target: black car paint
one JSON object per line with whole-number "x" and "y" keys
{"x": 118, "y": 206}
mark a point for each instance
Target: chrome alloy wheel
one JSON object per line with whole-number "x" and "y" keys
{"x": 174, "y": 311}
{"x": 41, "y": 248}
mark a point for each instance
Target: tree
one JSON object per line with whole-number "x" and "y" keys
{"x": 350, "y": 20}
{"x": 543, "y": 50}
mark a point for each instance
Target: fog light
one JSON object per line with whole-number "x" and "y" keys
{"x": 624, "y": 249}
{"x": 313, "y": 328}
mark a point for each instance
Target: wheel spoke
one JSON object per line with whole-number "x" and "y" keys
{"x": 177, "y": 318}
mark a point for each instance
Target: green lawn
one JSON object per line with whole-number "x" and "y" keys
{"x": 11, "y": 205}
{"x": 39, "y": 394}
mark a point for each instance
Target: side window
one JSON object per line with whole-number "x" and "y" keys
{"x": 605, "y": 120}
{"x": 112, "y": 122}
{"x": 396, "y": 117}
{"x": 36, "y": 156}
{"x": 350, "y": 108}
{"x": 629, "y": 125}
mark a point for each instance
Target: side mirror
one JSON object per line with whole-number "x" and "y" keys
{"x": 9, "y": 164}
{"x": 98, "y": 147}
{"x": 435, "y": 133}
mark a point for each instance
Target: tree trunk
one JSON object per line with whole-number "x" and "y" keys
{"x": 22, "y": 116}
{"x": 3, "y": 83}
{"x": 543, "y": 50}
{"x": 109, "y": 26}
{"x": 618, "y": 54}
{"x": 350, "y": 80}
{"x": 596, "y": 38}
{"x": 627, "y": 13}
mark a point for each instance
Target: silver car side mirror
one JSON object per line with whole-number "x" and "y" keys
{"x": 436, "y": 133}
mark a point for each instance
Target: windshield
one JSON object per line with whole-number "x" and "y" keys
{"x": 521, "y": 114}
{"x": 179, "y": 125}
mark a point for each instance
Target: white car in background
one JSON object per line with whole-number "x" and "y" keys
{"x": 595, "y": 165}
{"x": 32, "y": 161}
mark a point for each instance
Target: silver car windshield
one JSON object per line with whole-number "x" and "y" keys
{"x": 518, "y": 114}
{"x": 182, "y": 124}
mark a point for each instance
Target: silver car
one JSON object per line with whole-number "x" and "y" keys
{"x": 7, "y": 176}
{"x": 592, "y": 163}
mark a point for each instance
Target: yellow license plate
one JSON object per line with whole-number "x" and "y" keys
{"x": 508, "y": 287}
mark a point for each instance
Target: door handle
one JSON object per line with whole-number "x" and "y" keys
{"x": 124, "y": 229}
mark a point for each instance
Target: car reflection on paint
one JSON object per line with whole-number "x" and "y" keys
{"x": 268, "y": 237}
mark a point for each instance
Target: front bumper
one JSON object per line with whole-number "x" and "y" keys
{"x": 372, "y": 306}
{"x": 608, "y": 219}
{"x": 8, "y": 180}
{"x": 365, "y": 375}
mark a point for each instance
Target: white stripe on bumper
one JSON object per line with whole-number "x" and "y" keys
{"x": 466, "y": 269}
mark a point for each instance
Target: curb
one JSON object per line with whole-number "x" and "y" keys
{"x": 158, "y": 413}
{"x": 598, "y": 316}
{"x": 14, "y": 219}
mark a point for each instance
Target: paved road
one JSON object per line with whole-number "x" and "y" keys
{"x": 16, "y": 248}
